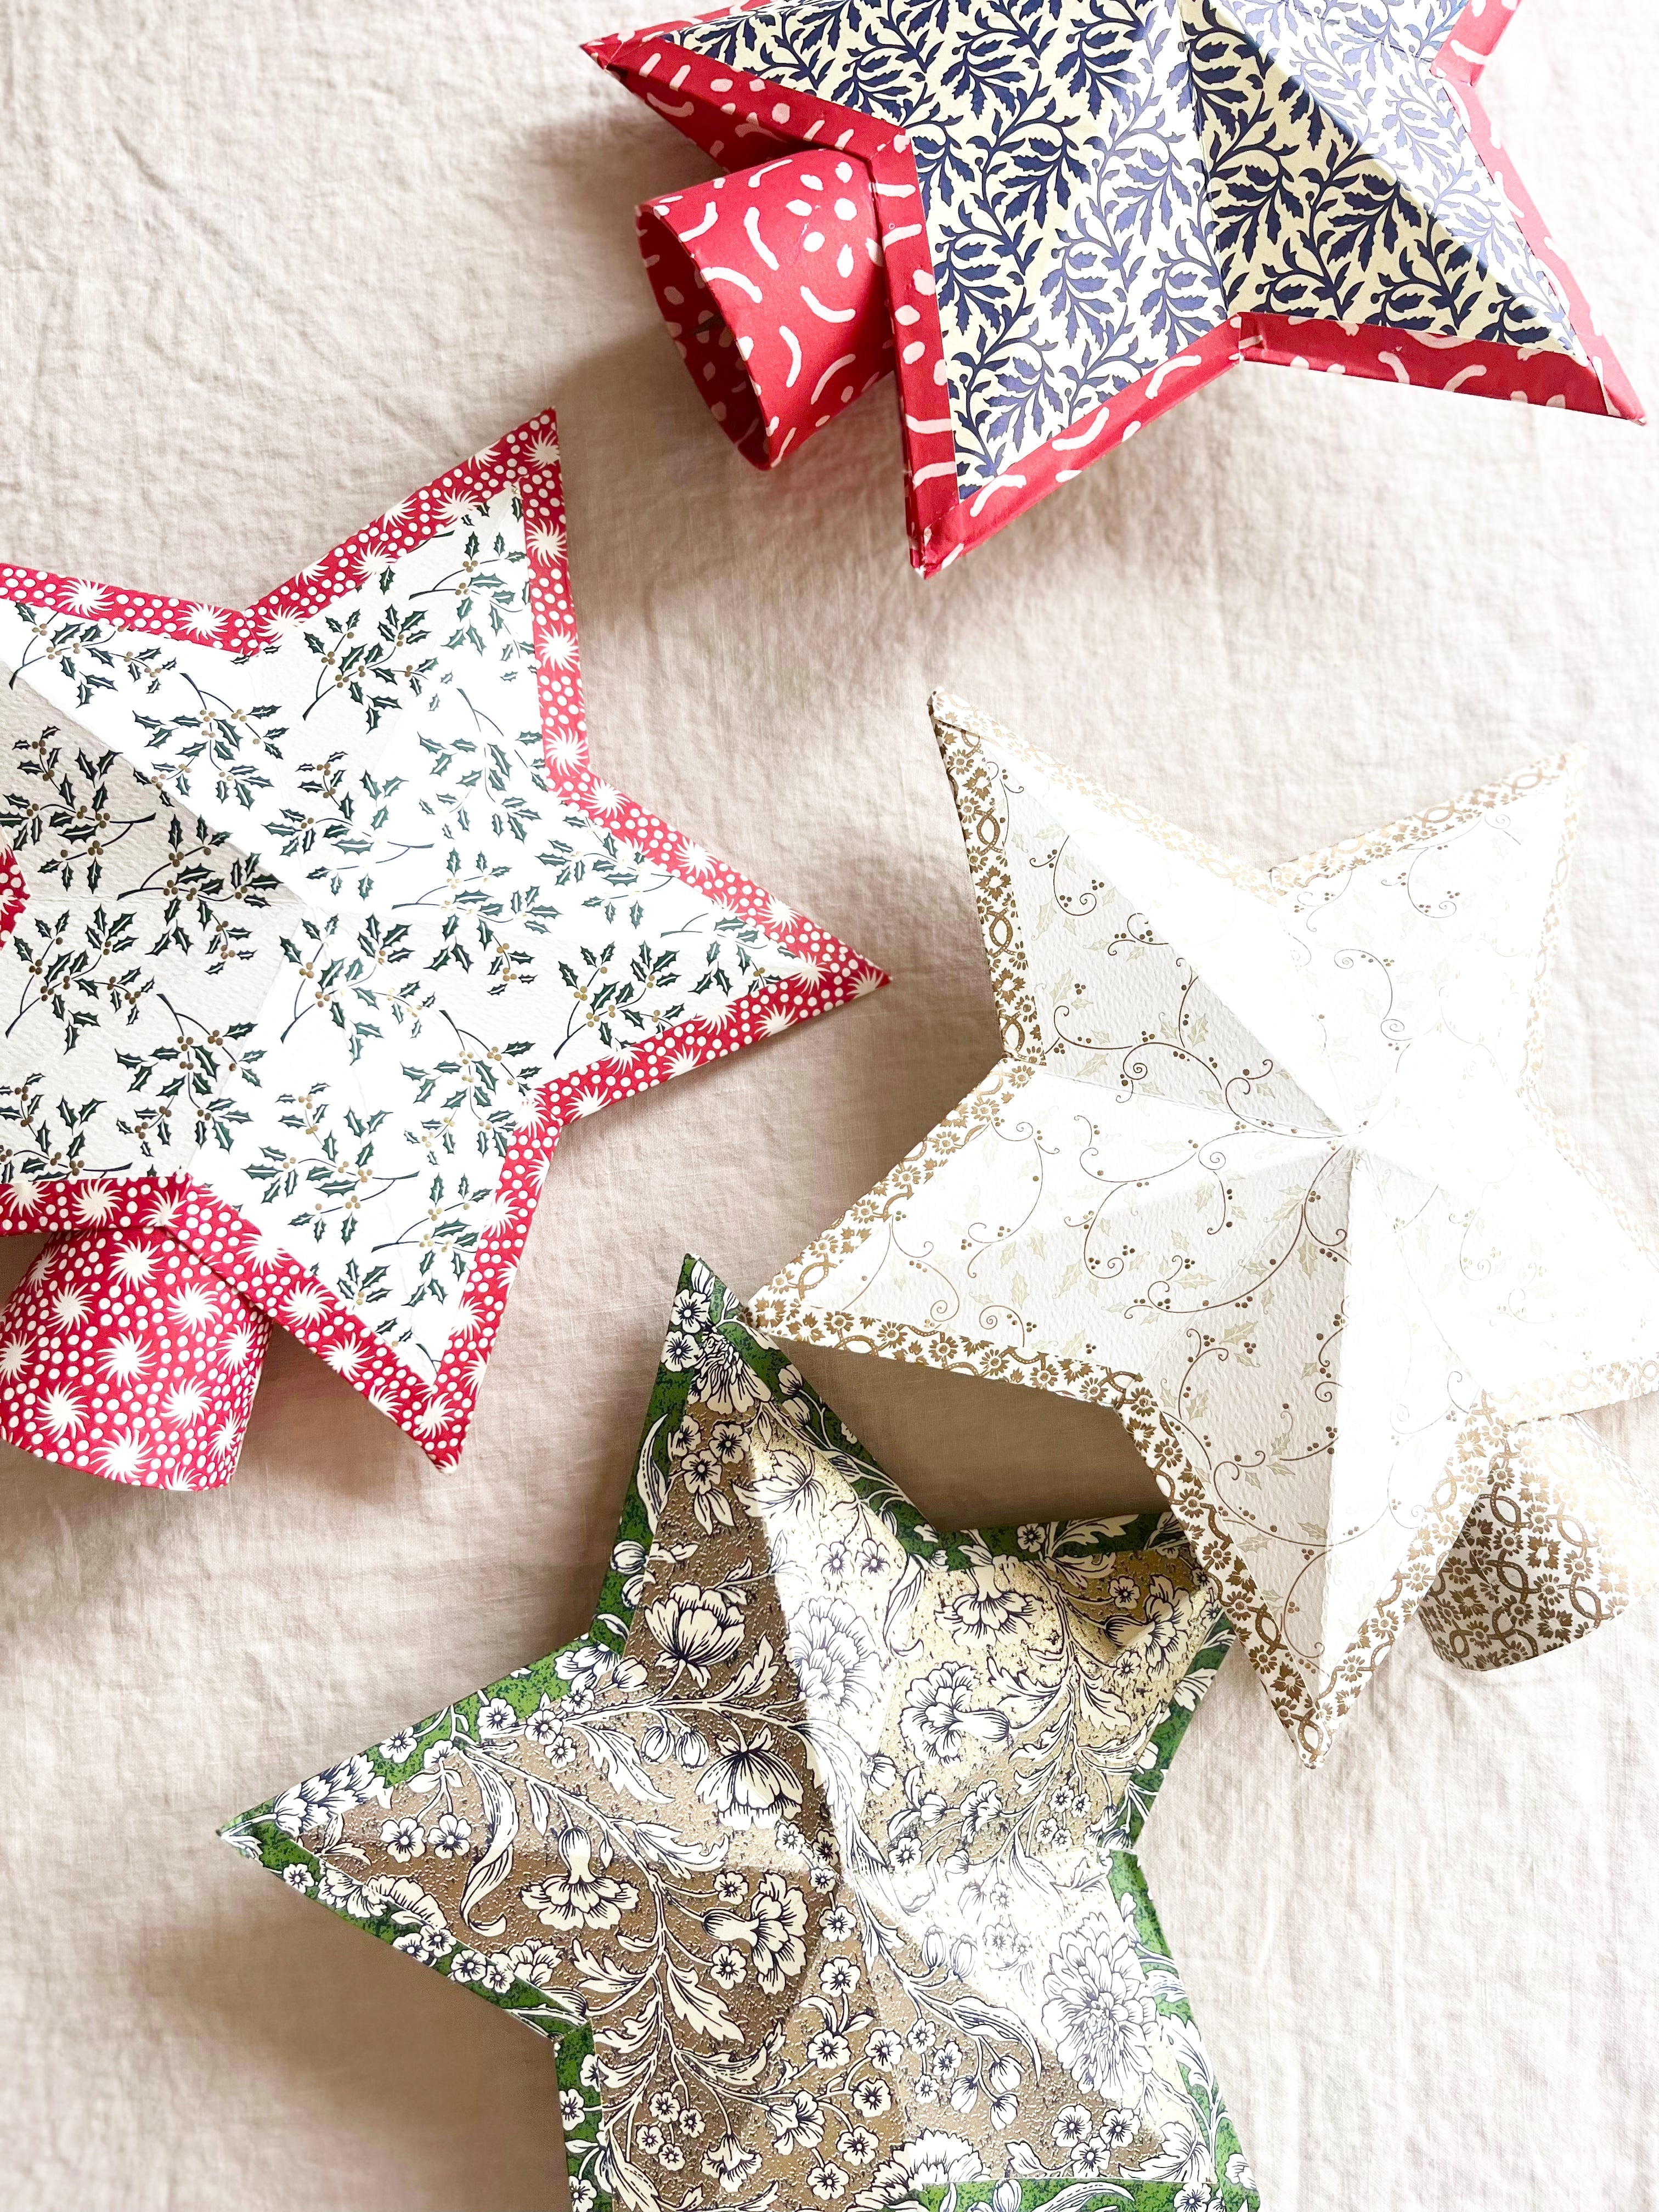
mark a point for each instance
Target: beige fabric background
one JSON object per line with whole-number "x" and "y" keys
{"x": 264, "y": 268}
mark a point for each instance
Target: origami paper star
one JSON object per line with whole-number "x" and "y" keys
{"x": 322, "y": 928}
{"x": 1264, "y": 1166}
{"x": 815, "y": 1853}
{"x": 1086, "y": 210}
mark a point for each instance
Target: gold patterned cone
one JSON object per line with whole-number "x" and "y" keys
{"x": 1561, "y": 1541}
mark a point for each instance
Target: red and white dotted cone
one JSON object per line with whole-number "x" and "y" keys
{"x": 123, "y": 1355}
{"x": 772, "y": 286}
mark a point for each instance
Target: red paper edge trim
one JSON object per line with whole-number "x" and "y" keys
{"x": 437, "y": 1414}
{"x": 14, "y": 892}
{"x": 1464, "y": 53}
{"x": 727, "y": 112}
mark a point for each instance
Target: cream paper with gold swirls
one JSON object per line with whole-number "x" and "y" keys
{"x": 1264, "y": 1166}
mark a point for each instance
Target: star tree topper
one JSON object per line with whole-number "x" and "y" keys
{"x": 815, "y": 1853}
{"x": 322, "y": 926}
{"x": 1089, "y": 208}
{"x": 1266, "y": 1166}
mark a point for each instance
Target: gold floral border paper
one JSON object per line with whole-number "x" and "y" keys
{"x": 815, "y": 1856}
{"x": 1561, "y": 1541}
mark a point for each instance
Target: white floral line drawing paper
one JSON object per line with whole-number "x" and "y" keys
{"x": 322, "y": 928}
{"x": 815, "y": 1854}
{"x": 1265, "y": 1166}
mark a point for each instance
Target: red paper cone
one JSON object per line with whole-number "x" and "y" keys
{"x": 122, "y": 1354}
{"x": 772, "y": 286}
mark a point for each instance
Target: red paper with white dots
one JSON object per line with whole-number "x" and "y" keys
{"x": 321, "y": 928}
{"x": 771, "y": 285}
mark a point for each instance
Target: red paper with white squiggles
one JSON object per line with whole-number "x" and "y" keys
{"x": 770, "y": 283}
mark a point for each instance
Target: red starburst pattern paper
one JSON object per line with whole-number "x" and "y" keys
{"x": 122, "y": 1353}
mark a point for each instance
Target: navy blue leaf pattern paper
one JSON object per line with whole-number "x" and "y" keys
{"x": 1107, "y": 180}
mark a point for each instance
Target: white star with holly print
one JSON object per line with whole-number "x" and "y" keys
{"x": 316, "y": 928}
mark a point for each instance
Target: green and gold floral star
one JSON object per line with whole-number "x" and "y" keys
{"x": 815, "y": 1856}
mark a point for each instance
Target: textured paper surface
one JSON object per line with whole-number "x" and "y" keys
{"x": 1283, "y": 613}
{"x": 815, "y": 1854}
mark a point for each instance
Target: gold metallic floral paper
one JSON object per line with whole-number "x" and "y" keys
{"x": 816, "y": 1855}
{"x": 1562, "y": 1540}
